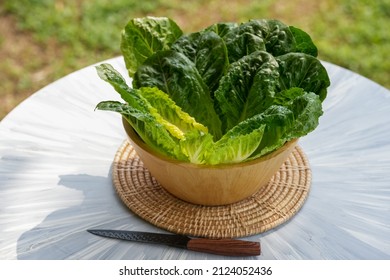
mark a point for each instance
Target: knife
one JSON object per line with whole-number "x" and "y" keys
{"x": 225, "y": 247}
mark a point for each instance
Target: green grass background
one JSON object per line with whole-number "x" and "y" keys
{"x": 51, "y": 38}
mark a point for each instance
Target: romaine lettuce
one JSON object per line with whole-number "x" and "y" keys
{"x": 229, "y": 93}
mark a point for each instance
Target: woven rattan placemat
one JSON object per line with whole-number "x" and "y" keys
{"x": 271, "y": 206}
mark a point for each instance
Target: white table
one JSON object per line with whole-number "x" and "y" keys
{"x": 55, "y": 180}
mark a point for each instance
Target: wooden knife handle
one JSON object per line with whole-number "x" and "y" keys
{"x": 225, "y": 247}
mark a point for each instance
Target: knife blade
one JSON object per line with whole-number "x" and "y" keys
{"x": 225, "y": 247}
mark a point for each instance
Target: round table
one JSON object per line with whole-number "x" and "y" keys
{"x": 56, "y": 155}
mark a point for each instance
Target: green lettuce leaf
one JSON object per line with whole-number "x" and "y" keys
{"x": 236, "y": 145}
{"x": 303, "y": 42}
{"x": 155, "y": 117}
{"x": 277, "y": 36}
{"x": 243, "y": 40}
{"x": 269, "y": 35}
{"x": 222, "y": 28}
{"x": 272, "y": 36}
{"x": 149, "y": 127}
{"x": 176, "y": 75}
{"x": 142, "y": 37}
{"x": 247, "y": 89}
{"x": 278, "y": 120}
{"x": 304, "y": 71}
{"x": 107, "y": 73}
{"x": 168, "y": 109}
{"x": 307, "y": 110}
{"x": 196, "y": 146}
{"x": 208, "y": 52}
{"x": 295, "y": 114}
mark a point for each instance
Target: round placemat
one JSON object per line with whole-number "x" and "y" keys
{"x": 269, "y": 207}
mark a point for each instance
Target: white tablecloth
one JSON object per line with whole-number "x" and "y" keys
{"x": 56, "y": 154}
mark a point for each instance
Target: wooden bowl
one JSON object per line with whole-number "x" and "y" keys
{"x": 208, "y": 184}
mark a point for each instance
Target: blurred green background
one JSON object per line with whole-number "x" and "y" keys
{"x": 43, "y": 40}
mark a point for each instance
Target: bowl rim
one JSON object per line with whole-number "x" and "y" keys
{"x": 136, "y": 139}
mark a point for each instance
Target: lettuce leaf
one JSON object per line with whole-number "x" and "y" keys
{"x": 168, "y": 110}
{"x": 303, "y": 42}
{"x": 176, "y": 75}
{"x": 295, "y": 114}
{"x": 247, "y": 89}
{"x": 142, "y": 37}
{"x": 154, "y": 133}
{"x": 208, "y": 52}
{"x": 304, "y": 71}
{"x": 277, "y": 120}
{"x": 222, "y": 28}
{"x": 243, "y": 40}
{"x": 153, "y": 115}
{"x": 196, "y": 146}
{"x": 236, "y": 145}
{"x": 307, "y": 109}
{"x": 277, "y": 36}
{"x": 270, "y": 35}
